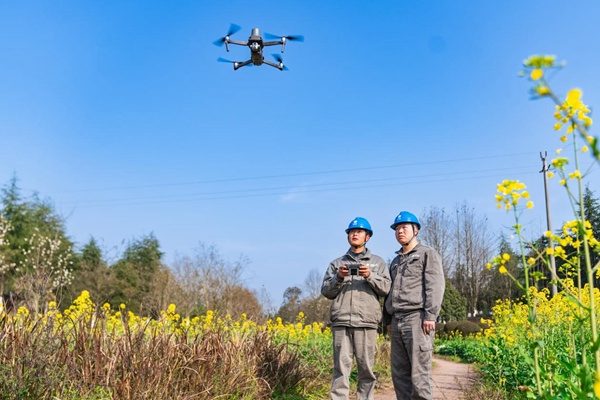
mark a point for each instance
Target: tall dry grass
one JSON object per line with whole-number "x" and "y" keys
{"x": 42, "y": 359}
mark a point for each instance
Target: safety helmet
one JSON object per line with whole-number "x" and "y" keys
{"x": 360, "y": 223}
{"x": 405, "y": 216}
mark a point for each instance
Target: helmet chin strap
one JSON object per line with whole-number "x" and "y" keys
{"x": 354, "y": 247}
{"x": 411, "y": 239}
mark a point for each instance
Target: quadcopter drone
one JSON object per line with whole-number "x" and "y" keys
{"x": 256, "y": 44}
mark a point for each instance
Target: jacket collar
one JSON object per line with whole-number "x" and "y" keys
{"x": 364, "y": 255}
{"x": 399, "y": 252}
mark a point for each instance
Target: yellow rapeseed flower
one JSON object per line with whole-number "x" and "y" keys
{"x": 502, "y": 269}
{"x": 529, "y": 204}
{"x": 560, "y": 162}
{"x": 536, "y": 74}
{"x": 574, "y": 98}
{"x": 597, "y": 385}
{"x": 542, "y": 90}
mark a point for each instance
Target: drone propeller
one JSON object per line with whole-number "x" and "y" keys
{"x": 278, "y": 58}
{"x": 298, "y": 38}
{"x": 233, "y": 28}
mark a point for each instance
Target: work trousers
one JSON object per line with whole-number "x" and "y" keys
{"x": 411, "y": 356}
{"x": 347, "y": 344}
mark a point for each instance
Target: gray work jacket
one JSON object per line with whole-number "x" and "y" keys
{"x": 418, "y": 283}
{"x": 356, "y": 299}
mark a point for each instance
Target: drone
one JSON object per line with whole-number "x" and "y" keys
{"x": 256, "y": 44}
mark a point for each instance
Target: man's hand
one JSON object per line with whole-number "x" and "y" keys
{"x": 343, "y": 271}
{"x": 364, "y": 271}
{"x": 428, "y": 326}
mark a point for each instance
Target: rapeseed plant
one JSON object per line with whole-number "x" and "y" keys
{"x": 552, "y": 334}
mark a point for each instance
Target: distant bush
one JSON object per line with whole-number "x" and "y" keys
{"x": 462, "y": 328}
{"x": 468, "y": 350}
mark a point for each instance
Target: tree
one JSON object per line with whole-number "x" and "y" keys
{"x": 46, "y": 270}
{"x": 465, "y": 244}
{"x": 209, "y": 282}
{"x": 5, "y": 265}
{"x": 591, "y": 207}
{"x": 437, "y": 234}
{"x": 37, "y": 251}
{"x": 135, "y": 275}
{"x": 290, "y": 308}
{"x": 91, "y": 273}
{"x": 500, "y": 286}
{"x": 314, "y": 306}
{"x": 473, "y": 244}
{"x": 454, "y": 306}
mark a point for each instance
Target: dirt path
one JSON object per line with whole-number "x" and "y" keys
{"x": 450, "y": 379}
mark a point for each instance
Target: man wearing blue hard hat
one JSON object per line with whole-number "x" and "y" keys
{"x": 411, "y": 309}
{"x": 355, "y": 282}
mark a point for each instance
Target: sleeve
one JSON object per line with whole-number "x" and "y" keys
{"x": 435, "y": 284}
{"x": 380, "y": 279}
{"x": 386, "y": 316}
{"x": 332, "y": 285}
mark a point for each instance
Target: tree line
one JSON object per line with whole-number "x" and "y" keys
{"x": 40, "y": 263}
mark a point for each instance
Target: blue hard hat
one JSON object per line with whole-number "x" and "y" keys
{"x": 405, "y": 216}
{"x": 360, "y": 223}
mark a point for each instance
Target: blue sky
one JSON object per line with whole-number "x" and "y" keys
{"x": 120, "y": 114}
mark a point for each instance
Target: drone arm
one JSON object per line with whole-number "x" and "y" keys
{"x": 238, "y": 42}
{"x": 239, "y": 65}
{"x": 275, "y": 43}
{"x": 272, "y": 64}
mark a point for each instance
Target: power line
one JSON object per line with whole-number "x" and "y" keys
{"x": 240, "y": 179}
{"x": 234, "y": 194}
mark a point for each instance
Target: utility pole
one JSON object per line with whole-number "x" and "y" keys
{"x": 550, "y": 241}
